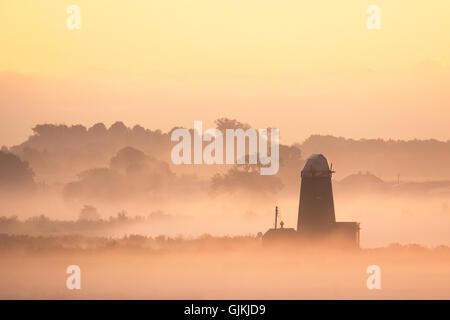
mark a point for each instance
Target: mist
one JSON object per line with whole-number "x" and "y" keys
{"x": 111, "y": 201}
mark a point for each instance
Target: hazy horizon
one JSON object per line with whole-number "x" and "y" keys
{"x": 305, "y": 68}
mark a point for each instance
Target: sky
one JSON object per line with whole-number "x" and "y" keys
{"x": 305, "y": 67}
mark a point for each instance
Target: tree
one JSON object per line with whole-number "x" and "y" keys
{"x": 15, "y": 174}
{"x": 89, "y": 213}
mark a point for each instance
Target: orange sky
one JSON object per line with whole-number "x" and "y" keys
{"x": 302, "y": 67}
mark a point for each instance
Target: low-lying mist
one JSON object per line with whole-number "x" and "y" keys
{"x": 384, "y": 219}
{"x": 137, "y": 267}
{"x": 111, "y": 201}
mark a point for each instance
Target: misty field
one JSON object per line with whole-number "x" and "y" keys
{"x": 111, "y": 201}
{"x": 137, "y": 267}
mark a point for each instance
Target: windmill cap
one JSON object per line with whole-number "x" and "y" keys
{"x": 316, "y": 165}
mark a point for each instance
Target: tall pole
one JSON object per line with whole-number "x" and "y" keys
{"x": 276, "y": 216}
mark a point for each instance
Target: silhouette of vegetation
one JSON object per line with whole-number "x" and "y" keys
{"x": 245, "y": 177}
{"x": 121, "y": 162}
{"x": 224, "y": 123}
{"x": 161, "y": 243}
{"x": 131, "y": 173}
{"x": 15, "y": 174}
{"x": 424, "y": 159}
{"x": 133, "y": 242}
{"x": 88, "y": 223}
{"x": 59, "y": 152}
{"x": 89, "y": 213}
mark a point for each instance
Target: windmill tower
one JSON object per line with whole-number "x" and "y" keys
{"x": 316, "y": 216}
{"x": 316, "y": 207}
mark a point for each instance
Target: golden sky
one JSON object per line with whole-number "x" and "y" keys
{"x": 302, "y": 66}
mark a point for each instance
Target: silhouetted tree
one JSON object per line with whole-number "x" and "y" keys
{"x": 118, "y": 129}
{"x": 15, "y": 174}
{"x": 98, "y": 130}
{"x": 131, "y": 173}
{"x": 225, "y": 123}
{"x": 128, "y": 157}
{"x": 89, "y": 213}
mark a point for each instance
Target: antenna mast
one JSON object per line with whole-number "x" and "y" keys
{"x": 276, "y": 216}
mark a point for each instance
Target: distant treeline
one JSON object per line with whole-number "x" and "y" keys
{"x": 137, "y": 242}
{"x": 413, "y": 159}
{"x": 206, "y": 242}
{"x": 120, "y": 162}
{"x": 87, "y": 224}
